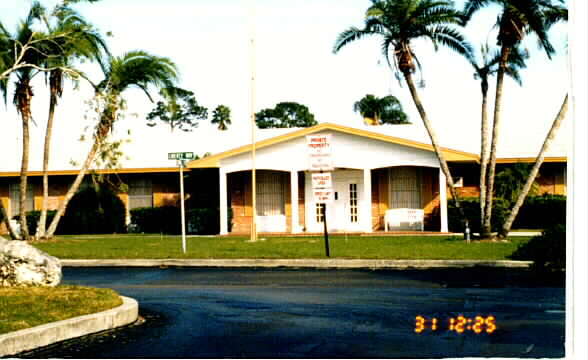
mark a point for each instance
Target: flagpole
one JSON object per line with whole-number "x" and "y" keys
{"x": 253, "y": 124}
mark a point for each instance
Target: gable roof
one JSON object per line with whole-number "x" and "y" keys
{"x": 214, "y": 160}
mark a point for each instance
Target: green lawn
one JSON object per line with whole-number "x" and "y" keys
{"x": 22, "y": 308}
{"x": 352, "y": 247}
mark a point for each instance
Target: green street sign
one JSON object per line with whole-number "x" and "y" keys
{"x": 180, "y": 156}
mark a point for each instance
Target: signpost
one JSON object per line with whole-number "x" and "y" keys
{"x": 181, "y": 158}
{"x": 320, "y": 159}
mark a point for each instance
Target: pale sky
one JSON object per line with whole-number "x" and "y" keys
{"x": 210, "y": 42}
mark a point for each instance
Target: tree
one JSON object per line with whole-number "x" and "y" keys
{"x": 134, "y": 69}
{"x": 517, "y": 19}
{"x": 285, "y": 115}
{"x": 85, "y": 43}
{"x": 221, "y": 116}
{"x": 482, "y": 72}
{"x": 378, "y": 111}
{"x": 180, "y": 109}
{"x": 510, "y": 181}
{"x": 398, "y": 23}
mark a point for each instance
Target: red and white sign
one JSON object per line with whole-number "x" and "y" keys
{"x": 325, "y": 196}
{"x": 322, "y": 181}
{"x": 319, "y": 152}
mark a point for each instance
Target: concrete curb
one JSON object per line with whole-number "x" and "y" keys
{"x": 298, "y": 263}
{"x": 42, "y": 335}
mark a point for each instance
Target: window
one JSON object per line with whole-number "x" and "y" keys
{"x": 14, "y": 193}
{"x": 140, "y": 193}
{"x": 405, "y": 188}
{"x": 320, "y": 213}
{"x": 353, "y": 202}
{"x": 270, "y": 193}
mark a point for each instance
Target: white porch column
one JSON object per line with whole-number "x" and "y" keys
{"x": 223, "y": 201}
{"x": 366, "y": 208}
{"x": 443, "y": 200}
{"x": 295, "y": 221}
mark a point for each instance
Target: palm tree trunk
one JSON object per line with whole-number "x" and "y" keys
{"x": 25, "y": 114}
{"x": 6, "y": 220}
{"x": 487, "y": 222}
{"x": 483, "y": 150}
{"x": 102, "y": 130}
{"x": 432, "y": 135}
{"x": 73, "y": 189}
{"x": 41, "y": 226}
{"x": 535, "y": 170}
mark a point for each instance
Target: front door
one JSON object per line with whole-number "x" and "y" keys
{"x": 343, "y": 214}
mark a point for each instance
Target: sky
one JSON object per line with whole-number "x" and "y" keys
{"x": 210, "y": 41}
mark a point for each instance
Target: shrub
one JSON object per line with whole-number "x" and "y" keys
{"x": 92, "y": 211}
{"x": 471, "y": 208}
{"x": 167, "y": 220}
{"x": 547, "y": 251}
{"x": 541, "y": 212}
{"x": 33, "y": 219}
{"x": 164, "y": 219}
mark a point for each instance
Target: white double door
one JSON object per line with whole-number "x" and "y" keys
{"x": 344, "y": 213}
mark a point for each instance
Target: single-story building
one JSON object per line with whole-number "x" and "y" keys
{"x": 384, "y": 177}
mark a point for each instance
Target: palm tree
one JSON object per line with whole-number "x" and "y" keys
{"x": 221, "y": 116}
{"x": 22, "y": 98}
{"x": 378, "y": 111}
{"x": 401, "y": 22}
{"x": 482, "y": 72}
{"x": 517, "y": 18}
{"x": 84, "y": 42}
{"x": 553, "y": 15}
{"x": 134, "y": 69}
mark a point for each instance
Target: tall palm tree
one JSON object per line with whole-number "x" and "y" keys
{"x": 553, "y": 15}
{"x": 84, "y": 42}
{"x": 22, "y": 98}
{"x": 517, "y": 19}
{"x": 221, "y": 116}
{"x": 378, "y": 111}
{"x": 134, "y": 69}
{"x": 482, "y": 72}
{"x": 399, "y": 23}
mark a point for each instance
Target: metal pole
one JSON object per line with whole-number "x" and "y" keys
{"x": 325, "y": 230}
{"x": 182, "y": 206}
{"x": 253, "y": 126}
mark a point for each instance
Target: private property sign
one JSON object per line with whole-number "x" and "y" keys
{"x": 319, "y": 152}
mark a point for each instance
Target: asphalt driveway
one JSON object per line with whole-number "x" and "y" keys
{"x": 277, "y": 313}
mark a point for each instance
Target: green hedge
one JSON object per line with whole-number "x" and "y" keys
{"x": 33, "y": 219}
{"x": 471, "y": 208}
{"x": 537, "y": 212}
{"x": 167, "y": 220}
{"x": 92, "y": 211}
{"x": 547, "y": 251}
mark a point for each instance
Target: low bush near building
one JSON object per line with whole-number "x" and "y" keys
{"x": 537, "y": 212}
{"x": 167, "y": 220}
{"x": 547, "y": 251}
{"x": 471, "y": 208}
{"x": 33, "y": 219}
{"x": 94, "y": 211}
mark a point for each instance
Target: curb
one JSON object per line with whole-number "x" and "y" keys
{"x": 298, "y": 263}
{"x": 43, "y": 335}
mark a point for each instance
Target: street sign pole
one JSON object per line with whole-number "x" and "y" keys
{"x": 326, "y": 233}
{"x": 183, "y": 213}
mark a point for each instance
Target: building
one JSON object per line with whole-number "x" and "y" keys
{"x": 384, "y": 177}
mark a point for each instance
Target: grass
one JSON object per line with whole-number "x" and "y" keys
{"x": 137, "y": 246}
{"x": 22, "y": 308}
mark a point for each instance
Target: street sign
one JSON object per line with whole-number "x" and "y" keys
{"x": 319, "y": 152}
{"x": 322, "y": 181}
{"x": 180, "y": 156}
{"x": 325, "y": 196}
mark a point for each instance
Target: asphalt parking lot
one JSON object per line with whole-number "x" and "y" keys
{"x": 295, "y": 313}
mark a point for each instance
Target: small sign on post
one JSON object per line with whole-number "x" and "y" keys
{"x": 181, "y": 158}
{"x": 322, "y": 180}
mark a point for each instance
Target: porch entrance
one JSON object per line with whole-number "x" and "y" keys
{"x": 343, "y": 214}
